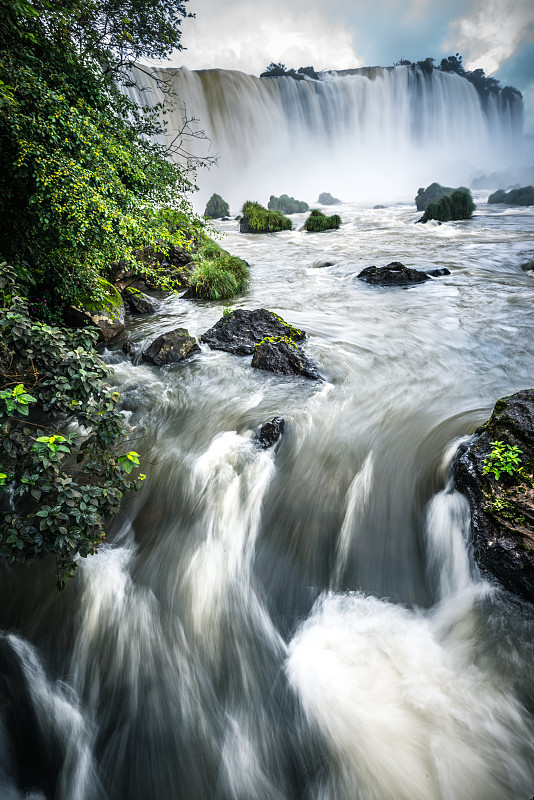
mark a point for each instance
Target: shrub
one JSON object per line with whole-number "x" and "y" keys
{"x": 431, "y": 194}
{"x": 217, "y": 274}
{"x": 287, "y": 205}
{"x": 216, "y": 207}
{"x": 57, "y": 488}
{"x": 256, "y": 219}
{"x": 317, "y": 221}
{"x": 458, "y": 205}
{"x": 524, "y": 196}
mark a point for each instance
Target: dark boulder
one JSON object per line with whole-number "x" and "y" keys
{"x": 528, "y": 266}
{"x": 283, "y": 357}
{"x": 138, "y": 302}
{"x": 438, "y": 273}
{"x": 270, "y": 433}
{"x": 394, "y": 274}
{"x": 322, "y": 264}
{"x": 171, "y": 347}
{"x": 502, "y": 502}
{"x": 240, "y": 331}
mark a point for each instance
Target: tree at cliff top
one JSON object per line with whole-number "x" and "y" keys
{"x": 82, "y": 183}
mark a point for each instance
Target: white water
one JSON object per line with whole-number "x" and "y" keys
{"x": 362, "y": 135}
{"x": 304, "y": 623}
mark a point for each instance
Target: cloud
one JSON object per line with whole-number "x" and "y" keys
{"x": 493, "y": 32}
{"x": 240, "y": 35}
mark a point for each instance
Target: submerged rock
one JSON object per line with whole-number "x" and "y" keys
{"x": 138, "y": 302}
{"x": 396, "y": 274}
{"x": 270, "y": 433}
{"x": 283, "y": 357}
{"x": 171, "y": 347}
{"x": 240, "y": 331}
{"x": 502, "y": 503}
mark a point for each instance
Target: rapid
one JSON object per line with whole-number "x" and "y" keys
{"x": 304, "y": 622}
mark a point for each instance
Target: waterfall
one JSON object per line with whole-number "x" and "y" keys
{"x": 358, "y": 134}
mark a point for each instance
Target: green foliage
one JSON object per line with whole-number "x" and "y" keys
{"x": 317, "y": 221}
{"x": 431, "y": 194}
{"x": 503, "y": 458}
{"x": 279, "y": 70}
{"x": 217, "y": 274}
{"x": 260, "y": 220}
{"x": 287, "y": 205}
{"x": 216, "y": 207}
{"x": 58, "y": 486}
{"x": 458, "y": 205}
{"x": 524, "y": 196}
{"x": 80, "y": 187}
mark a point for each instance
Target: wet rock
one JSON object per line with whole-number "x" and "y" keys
{"x": 130, "y": 349}
{"x": 322, "y": 264}
{"x": 528, "y": 266}
{"x": 396, "y": 274}
{"x": 171, "y": 347}
{"x": 502, "y": 508}
{"x": 138, "y": 302}
{"x": 106, "y": 315}
{"x": 240, "y": 331}
{"x": 283, "y": 357}
{"x": 270, "y": 433}
{"x": 438, "y": 273}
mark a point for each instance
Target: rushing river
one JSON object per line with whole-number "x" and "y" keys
{"x": 305, "y": 622}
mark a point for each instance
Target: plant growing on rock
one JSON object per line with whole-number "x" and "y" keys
{"x": 458, "y": 205}
{"x": 257, "y": 219}
{"x": 503, "y": 458}
{"x": 287, "y": 205}
{"x": 58, "y": 487}
{"x": 216, "y": 207}
{"x": 317, "y": 221}
{"x": 217, "y": 274}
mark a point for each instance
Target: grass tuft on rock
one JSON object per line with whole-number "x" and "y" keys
{"x": 257, "y": 219}
{"x": 217, "y": 274}
{"x": 317, "y": 221}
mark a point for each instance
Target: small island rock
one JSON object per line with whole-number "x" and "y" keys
{"x": 283, "y": 357}
{"x": 240, "y": 331}
{"x": 171, "y": 347}
{"x": 269, "y": 434}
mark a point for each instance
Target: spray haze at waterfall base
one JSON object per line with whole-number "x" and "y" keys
{"x": 361, "y": 134}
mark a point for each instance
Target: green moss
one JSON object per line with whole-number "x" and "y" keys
{"x": 216, "y": 207}
{"x": 317, "y": 221}
{"x": 276, "y": 340}
{"x": 296, "y": 333}
{"x": 287, "y": 205}
{"x": 458, "y": 205}
{"x": 260, "y": 220}
{"x": 524, "y": 196}
{"x": 106, "y": 297}
{"x": 431, "y": 194}
{"x": 217, "y": 274}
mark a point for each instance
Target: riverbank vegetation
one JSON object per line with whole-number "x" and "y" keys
{"x": 83, "y": 186}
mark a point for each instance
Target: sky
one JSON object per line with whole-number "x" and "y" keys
{"x": 496, "y": 35}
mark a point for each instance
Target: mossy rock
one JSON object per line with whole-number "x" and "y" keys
{"x": 104, "y": 311}
{"x": 171, "y": 348}
{"x": 138, "y": 302}
{"x": 287, "y": 205}
{"x": 523, "y": 196}
{"x": 326, "y": 199}
{"x": 283, "y": 357}
{"x": 456, "y": 206}
{"x": 216, "y": 207}
{"x": 240, "y": 331}
{"x": 257, "y": 219}
{"x": 431, "y": 194}
{"x": 317, "y": 221}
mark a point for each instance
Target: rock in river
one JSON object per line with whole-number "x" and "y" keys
{"x": 171, "y": 347}
{"x": 270, "y": 433}
{"x": 501, "y": 501}
{"x": 283, "y": 357}
{"x": 240, "y": 331}
{"x": 138, "y": 302}
{"x": 396, "y": 274}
